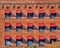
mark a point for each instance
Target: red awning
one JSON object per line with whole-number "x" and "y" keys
{"x": 30, "y": 37}
{"x": 29, "y": 11}
{"x": 18, "y": 37}
{"x": 52, "y": 24}
{"x": 7, "y": 24}
{"x": 52, "y": 37}
{"x": 41, "y": 37}
{"x": 18, "y": 24}
{"x": 41, "y": 11}
{"x": 7, "y": 37}
{"x": 52, "y": 11}
{"x": 30, "y": 24}
{"x": 41, "y": 24}
{"x": 18, "y": 11}
{"x": 7, "y": 11}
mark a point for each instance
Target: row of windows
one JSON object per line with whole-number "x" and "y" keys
{"x": 31, "y": 27}
{"x": 30, "y": 40}
{"x": 31, "y": 15}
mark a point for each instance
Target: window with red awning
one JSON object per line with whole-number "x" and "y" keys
{"x": 18, "y": 11}
{"x": 52, "y": 11}
{"x": 41, "y": 24}
{"x": 7, "y": 11}
{"x": 7, "y": 24}
{"x": 52, "y": 24}
{"x": 41, "y": 11}
{"x": 7, "y": 37}
{"x": 30, "y": 24}
{"x": 30, "y": 37}
{"x": 29, "y": 11}
{"x": 18, "y": 24}
{"x": 19, "y": 37}
{"x": 41, "y": 38}
{"x": 52, "y": 37}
